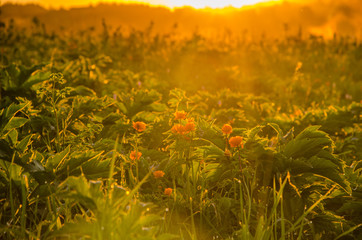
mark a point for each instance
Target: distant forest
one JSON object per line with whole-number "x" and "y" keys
{"x": 325, "y": 18}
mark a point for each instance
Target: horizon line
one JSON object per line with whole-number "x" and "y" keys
{"x": 229, "y": 7}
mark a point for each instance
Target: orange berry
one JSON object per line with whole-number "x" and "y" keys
{"x": 139, "y": 126}
{"x": 184, "y": 129}
{"x": 168, "y": 191}
{"x": 180, "y": 115}
{"x": 135, "y": 155}
{"x": 190, "y": 126}
{"x": 178, "y": 128}
{"x": 236, "y": 141}
{"x": 226, "y": 129}
{"x": 158, "y": 174}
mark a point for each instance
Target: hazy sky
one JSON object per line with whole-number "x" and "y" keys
{"x": 169, "y": 3}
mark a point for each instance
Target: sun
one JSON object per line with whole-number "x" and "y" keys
{"x": 200, "y": 4}
{"x": 211, "y": 3}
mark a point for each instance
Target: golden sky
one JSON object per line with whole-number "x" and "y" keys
{"x": 168, "y": 3}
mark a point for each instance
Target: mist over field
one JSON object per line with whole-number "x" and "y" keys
{"x": 299, "y": 19}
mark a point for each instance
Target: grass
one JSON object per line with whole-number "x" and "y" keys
{"x": 68, "y": 147}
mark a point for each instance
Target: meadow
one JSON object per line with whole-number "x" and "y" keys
{"x": 156, "y": 136}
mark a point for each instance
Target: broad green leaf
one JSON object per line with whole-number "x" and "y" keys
{"x": 38, "y": 172}
{"x": 42, "y": 191}
{"x": 81, "y": 229}
{"x": 308, "y": 143}
{"x": 325, "y": 154}
{"x": 138, "y": 101}
{"x": 36, "y": 77}
{"x": 14, "y": 108}
{"x": 158, "y": 107}
{"x": 277, "y": 129}
{"x": 5, "y": 150}
{"x": 24, "y": 143}
{"x": 54, "y": 161}
{"x": 79, "y": 184}
{"x": 13, "y": 136}
{"x": 327, "y": 169}
{"x": 83, "y": 91}
{"x": 211, "y": 169}
{"x": 15, "y": 122}
{"x": 353, "y": 205}
{"x": 178, "y": 93}
{"x": 147, "y": 220}
{"x": 17, "y": 75}
{"x": 254, "y": 131}
{"x": 210, "y": 152}
{"x": 78, "y": 188}
{"x": 295, "y": 166}
{"x": 94, "y": 168}
{"x": 74, "y": 161}
{"x": 6, "y": 115}
{"x": 15, "y": 172}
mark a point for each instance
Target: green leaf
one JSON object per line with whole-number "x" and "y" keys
{"x": 177, "y": 93}
{"x": 15, "y": 172}
{"x": 8, "y": 114}
{"x": 14, "y": 108}
{"x": 81, "y": 229}
{"x": 349, "y": 231}
{"x": 254, "y": 131}
{"x": 94, "y": 169}
{"x": 17, "y": 75}
{"x": 83, "y": 91}
{"x": 15, "y": 122}
{"x": 78, "y": 188}
{"x": 42, "y": 191}
{"x": 24, "y": 143}
{"x": 13, "y": 136}
{"x": 167, "y": 236}
{"x": 54, "y": 161}
{"x": 39, "y": 173}
{"x": 327, "y": 169}
{"x": 332, "y": 158}
{"x": 138, "y": 101}
{"x": 36, "y": 77}
{"x": 295, "y": 166}
{"x": 308, "y": 143}
{"x": 5, "y": 150}
{"x": 277, "y": 129}
{"x": 72, "y": 164}
{"x": 211, "y": 151}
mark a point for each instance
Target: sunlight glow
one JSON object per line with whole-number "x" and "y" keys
{"x": 198, "y": 4}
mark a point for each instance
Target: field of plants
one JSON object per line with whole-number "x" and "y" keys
{"x": 149, "y": 136}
